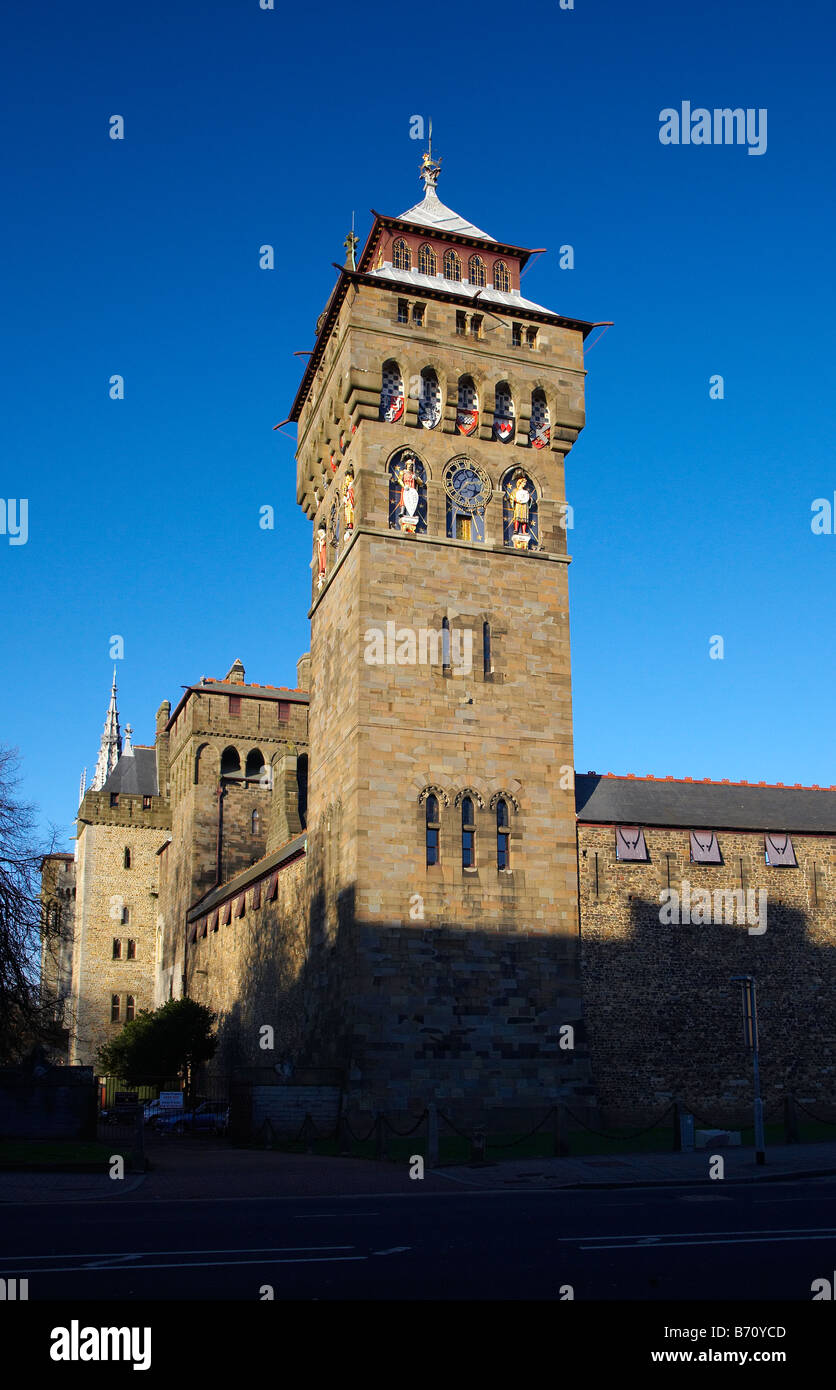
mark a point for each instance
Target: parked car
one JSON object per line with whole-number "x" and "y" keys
{"x": 155, "y": 1108}
{"x": 208, "y": 1117}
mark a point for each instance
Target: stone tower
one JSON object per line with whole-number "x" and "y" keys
{"x": 434, "y": 419}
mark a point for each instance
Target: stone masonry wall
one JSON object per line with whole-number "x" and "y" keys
{"x": 664, "y": 1020}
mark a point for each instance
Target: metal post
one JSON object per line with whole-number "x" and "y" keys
{"x": 432, "y": 1135}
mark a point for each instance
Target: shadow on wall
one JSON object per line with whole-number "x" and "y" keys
{"x": 666, "y": 1022}
{"x": 469, "y": 1018}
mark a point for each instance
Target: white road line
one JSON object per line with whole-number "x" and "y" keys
{"x": 333, "y": 1215}
{"x": 141, "y": 1254}
{"x": 665, "y": 1235}
{"x": 736, "y": 1240}
{"x": 196, "y": 1264}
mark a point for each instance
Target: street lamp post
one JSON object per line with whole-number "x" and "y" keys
{"x": 750, "y": 1038}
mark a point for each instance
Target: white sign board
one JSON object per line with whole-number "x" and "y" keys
{"x": 171, "y": 1100}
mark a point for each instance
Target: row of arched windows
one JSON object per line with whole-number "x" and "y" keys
{"x": 254, "y": 768}
{"x": 392, "y": 402}
{"x": 468, "y": 832}
{"x": 427, "y": 264}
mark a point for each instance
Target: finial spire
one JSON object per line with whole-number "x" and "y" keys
{"x": 430, "y": 168}
{"x": 82, "y": 786}
{"x": 350, "y": 245}
{"x": 127, "y": 750}
{"x": 110, "y": 747}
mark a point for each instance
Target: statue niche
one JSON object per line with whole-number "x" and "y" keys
{"x": 407, "y": 493}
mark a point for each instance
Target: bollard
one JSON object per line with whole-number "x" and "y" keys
{"x": 561, "y": 1146}
{"x": 432, "y": 1135}
{"x": 790, "y": 1120}
{"x": 343, "y": 1140}
{"x": 478, "y": 1145}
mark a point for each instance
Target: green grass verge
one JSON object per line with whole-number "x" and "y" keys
{"x": 581, "y": 1143}
{"x": 55, "y": 1153}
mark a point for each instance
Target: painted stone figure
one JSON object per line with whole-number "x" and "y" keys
{"x": 408, "y": 479}
{"x": 348, "y": 500}
{"x": 520, "y": 498}
{"x": 321, "y": 553}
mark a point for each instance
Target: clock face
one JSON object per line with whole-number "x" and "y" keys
{"x": 467, "y": 485}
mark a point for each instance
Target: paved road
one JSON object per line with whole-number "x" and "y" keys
{"x": 754, "y": 1242}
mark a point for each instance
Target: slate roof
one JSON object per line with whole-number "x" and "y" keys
{"x": 242, "y": 880}
{"x": 135, "y": 774}
{"x": 511, "y": 300}
{"x": 431, "y": 212}
{"x": 704, "y": 805}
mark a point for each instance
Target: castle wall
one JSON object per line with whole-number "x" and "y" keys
{"x": 104, "y": 886}
{"x": 663, "y": 1019}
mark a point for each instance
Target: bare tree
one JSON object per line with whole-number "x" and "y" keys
{"x": 26, "y": 1018}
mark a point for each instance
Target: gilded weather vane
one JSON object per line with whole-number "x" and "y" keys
{"x": 430, "y": 168}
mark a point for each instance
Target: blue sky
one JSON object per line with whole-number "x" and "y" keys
{"x": 246, "y": 126}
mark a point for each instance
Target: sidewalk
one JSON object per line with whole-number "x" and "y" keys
{"x": 205, "y": 1170}
{"x": 651, "y": 1170}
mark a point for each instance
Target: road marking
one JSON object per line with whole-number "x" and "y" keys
{"x": 141, "y": 1254}
{"x": 665, "y": 1235}
{"x": 735, "y": 1240}
{"x": 333, "y": 1215}
{"x": 197, "y": 1264}
{"x": 395, "y": 1250}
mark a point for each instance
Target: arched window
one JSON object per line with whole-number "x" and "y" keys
{"x": 401, "y": 255}
{"x": 429, "y": 401}
{"x": 254, "y": 766}
{"x": 131, "y": 949}
{"x": 427, "y": 261}
{"x": 117, "y": 949}
{"x": 130, "y": 1008}
{"x": 391, "y": 392}
{"x": 503, "y": 860}
{"x": 433, "y": 827}
{"x": 126, "y": 858}
{"x": 468, "y": 834}
{"x": 255, "y": 823}
{"x": 125, "y": 914}
{"x": 487, "y": 666}
{"x": 503, "y": 413}
{"x": 445, "y": 646}
{"x": 476, "y": 271}
{"x": 230, "y": 762}
{"x": 540, "y": 429}
{"x": 115, "y": 1010}
{"x": 501, "y": 278}
{"x": 467, "y": 412}
{"x": 452, "y": 266}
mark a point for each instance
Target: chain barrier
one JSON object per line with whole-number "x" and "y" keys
{"x": 404, "y": 1133}
{"x": 513, "y": 1143}
{"x": 455, "y": 1128}
{"x": 356, "y": 1137}
{"x": 603, "y": 1134}
{"x": 817, "y": 1118}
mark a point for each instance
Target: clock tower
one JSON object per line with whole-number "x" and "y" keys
{"x": 434, "y": 419}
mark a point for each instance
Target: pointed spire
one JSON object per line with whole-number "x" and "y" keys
{"x": 127, "y": 750}
{"x": 82, "y": 786}
{"x": 111, "y": 744}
